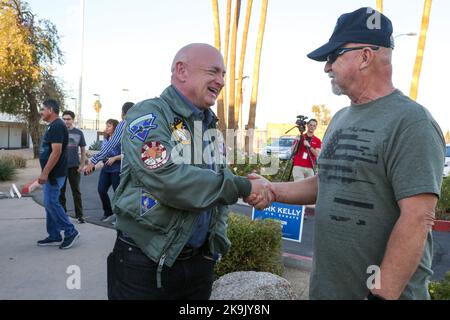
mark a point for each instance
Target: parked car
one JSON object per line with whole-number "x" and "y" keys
{"x": 280, "y": 147}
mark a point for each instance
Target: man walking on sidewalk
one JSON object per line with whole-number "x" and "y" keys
{"x": 53, "y": 160}
{"x": 74, "y": 165}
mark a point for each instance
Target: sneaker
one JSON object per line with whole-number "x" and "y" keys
{"x": 107, "y": 218}
{"x": 69, "y": 241}
{"x": 49, "y": 242}
{"x": 81, "y": 220}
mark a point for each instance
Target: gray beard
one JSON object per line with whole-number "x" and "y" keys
{"x": 336, "y": 89}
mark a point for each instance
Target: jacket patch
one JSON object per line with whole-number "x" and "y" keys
{"x": 154, "y": 154}
{"x": 147, "y": 202}
{"x": 179, "y": 131}
{"x": 140, "y": 127}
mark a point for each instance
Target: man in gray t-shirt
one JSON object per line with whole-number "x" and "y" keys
{"x": 74, "y": 165}
{"x": 379, "y": 177}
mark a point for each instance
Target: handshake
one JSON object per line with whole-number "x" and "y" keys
{"x": 262, "y": 194}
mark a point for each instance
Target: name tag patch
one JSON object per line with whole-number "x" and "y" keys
{"x": 154, "y": 155}
{"x": 140, "y": 127}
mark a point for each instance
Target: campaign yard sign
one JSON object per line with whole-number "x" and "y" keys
{"x": 290, "y": 216}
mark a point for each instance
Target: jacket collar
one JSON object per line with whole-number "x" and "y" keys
{"x": 178, "y": 105}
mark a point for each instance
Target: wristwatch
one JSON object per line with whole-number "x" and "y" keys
{"x": 372, "y": 296}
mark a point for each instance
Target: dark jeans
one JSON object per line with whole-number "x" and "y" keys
{"x": 106, "y": 180}
{"x": 74, "y": 179}
{"x": 132, "y": 275}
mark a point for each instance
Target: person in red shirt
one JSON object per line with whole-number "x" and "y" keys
{"x": 306, "y": 157}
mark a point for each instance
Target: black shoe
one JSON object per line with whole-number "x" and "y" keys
{"x": 69, "y": 241}
{"x": 107, "y": 218}
{"x": 81, "y": 220}
{"x": 49, "y": 242}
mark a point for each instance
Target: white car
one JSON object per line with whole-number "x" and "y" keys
{"x": 447, "y": 161}
{"x": 281, "y": 148}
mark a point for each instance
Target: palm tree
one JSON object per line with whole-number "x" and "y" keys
{"x": 240, "y": 78}
{"x": 225, "y": 58}
{"x": 254, "y": 96}
{"x": 220, "y": 102}
{"x": 231, "y": 102}
{"x": 420, "y": 50}
{"x": 380, "y": 5}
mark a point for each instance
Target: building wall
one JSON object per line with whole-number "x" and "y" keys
{"x": 11, "y": 136}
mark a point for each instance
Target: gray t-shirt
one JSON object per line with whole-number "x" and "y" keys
{"x": 373, "y": 155}
{"x": 76, "y": 139}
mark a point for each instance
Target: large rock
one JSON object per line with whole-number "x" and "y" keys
{"x": 251, "y": 285}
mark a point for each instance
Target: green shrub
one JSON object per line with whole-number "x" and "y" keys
{"x": 440, "y": 290}
{"x": 244, "y": 166}
{"x": 96, "y": 146}
{"x": 443, "y": 205}
{"x": 19, "y": 162}
{"x": 255, "y": 246}
{"x": 7, "y": 169}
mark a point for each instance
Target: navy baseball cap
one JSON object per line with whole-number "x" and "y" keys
{"x": 365, "y": 25}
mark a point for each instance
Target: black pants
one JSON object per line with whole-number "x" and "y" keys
{"x": 132, "y": 275}
{"x": 74, "y": 179}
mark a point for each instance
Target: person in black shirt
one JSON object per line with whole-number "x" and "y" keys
{"x": 53, "y": 160}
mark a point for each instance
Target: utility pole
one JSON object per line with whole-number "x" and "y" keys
{"x": 80, "y": 83}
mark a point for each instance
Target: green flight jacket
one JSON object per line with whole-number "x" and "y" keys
{"x": 177, "y": 192}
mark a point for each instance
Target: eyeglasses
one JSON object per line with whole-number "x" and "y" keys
{"x": 67, "y": 119}
{"x": 331, "y": 58}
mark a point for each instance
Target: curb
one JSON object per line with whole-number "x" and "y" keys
{"x": 441, "y": 225}
{"x": 297, "y": 261}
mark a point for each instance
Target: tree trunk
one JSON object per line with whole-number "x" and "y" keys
{"x": 220, "y": 102}
{"x": 225, "y": 58}
{"x": 239, "y": 98}
{"x": 33, "y": 126}
{"x": 420, "y": 50}
{"x": 231, "y": 98}
{"x": 380, "y": 5}
{"x": 254, "y": 96}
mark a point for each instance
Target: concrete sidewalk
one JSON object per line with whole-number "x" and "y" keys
{"x": 31, "y": 272}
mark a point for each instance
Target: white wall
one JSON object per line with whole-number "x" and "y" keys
{"x": 15, "y": 137}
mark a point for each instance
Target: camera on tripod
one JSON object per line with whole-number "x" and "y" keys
{"x": 301, "y": 123}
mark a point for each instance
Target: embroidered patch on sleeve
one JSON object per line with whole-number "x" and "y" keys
{"x": 154, "y": 154}
{"x": 140, "y": 127}
{"x": 147, "y": 202}
{"x": 179, "y": 131}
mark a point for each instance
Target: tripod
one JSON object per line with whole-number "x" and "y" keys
{"x": 290, "y": 163}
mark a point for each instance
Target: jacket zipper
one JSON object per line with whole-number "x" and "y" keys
{"x": 164, "y": 256}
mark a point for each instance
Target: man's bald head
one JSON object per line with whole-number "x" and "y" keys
{"x": 191, "y": 51}
{"x": 198, "y": 73}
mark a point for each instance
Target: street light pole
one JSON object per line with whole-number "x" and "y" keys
{"x": 97, "y": 107}
{"x": 80, "y": 83}
{"x": 76, "y": 103}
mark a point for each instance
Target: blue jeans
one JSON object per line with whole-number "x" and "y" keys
{"x": 57, "y": 219}
{"x": 106, "y": 180}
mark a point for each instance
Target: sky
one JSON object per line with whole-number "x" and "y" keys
{"x": 130, "y": 45}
